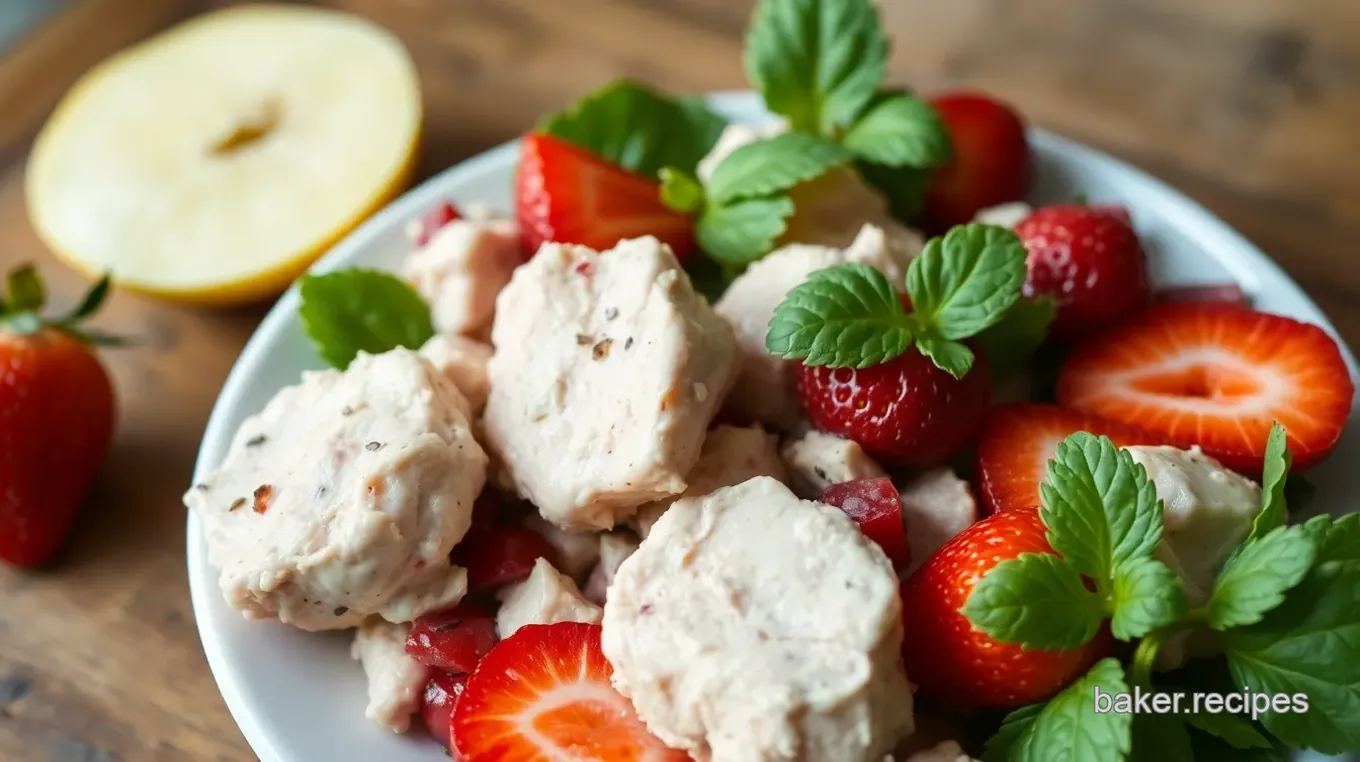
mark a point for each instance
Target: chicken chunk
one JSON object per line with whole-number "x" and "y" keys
{"x": 730, "y": 456}
{"x": 463, "y": 361}
{"x": 817, "y": 460}
{"x": 764, "y": 389}
{"x": 461, "y": 270}
{"x": 577, "y": 552}
{"x": 752, "y": 625}
{"x": 548, "y": 596}
{"x": 615, "y": 548}
{"x": 607, "y": 370}
{"x": 396, "y": 681}
{"x": 936, "y": 505}
{"x": 342, "y": 498}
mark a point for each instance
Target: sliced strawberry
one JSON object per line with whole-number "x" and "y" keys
{"x": 991, "y": 164}
{"x": 500, "y": 555}
{"x": 453, "y": 640}
{"x": 434, "y": 218}
{"x": 436, "y": 707}
{"x": 876, "y": 507}
{"x": 1018, "y": 440}
{"x": 565, "y": 193}
{"x": 544, "y": 694}
{"x": 1216, "y": 375}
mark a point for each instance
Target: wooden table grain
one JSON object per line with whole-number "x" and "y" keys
{"x": 1251, "y": 107}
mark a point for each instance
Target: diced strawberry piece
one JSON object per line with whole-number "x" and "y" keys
{"x": 1217, "y": 376}
{"x": 1089, "y": 261}
{"x": 500, "y": 555}
{"x": 434, "y": 218}
{"x": 905, "y": 411}
{"x": 453, "y": 640}
{"x": 436, "y": 708}
{"x": 544, "y": 693}
{"x": 567, "y": 194}
{"x": 1017, "y": 441}
{"x": 991, "y": 164}
{"x": 876, "y": 507}
{"x": 1229, "y": 293}
{"x": 949, "y": 660}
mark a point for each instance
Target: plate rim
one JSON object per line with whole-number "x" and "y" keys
{"x": 1248, "y": 265}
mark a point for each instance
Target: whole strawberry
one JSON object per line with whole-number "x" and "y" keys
{"x": 991, "y": 163}
{"x": 1089, "y": 260}
{"x": 56, "y": 418}
{"x": 947, "y": 658}
{"x": 906, "y": 411}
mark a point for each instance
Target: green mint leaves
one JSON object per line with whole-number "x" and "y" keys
{"x": 1013, "y": 340}
{"x": 772, "y": 165}
{"x": 1067, "y": 727}
{"x": 1256, "y": 577}
{"x": 900, "y": 131}
{"x": 850, "y": 316}
{"x": 1274, "y": 473}
{"x": 1036, "y": 600}
{"x": 739, "y": 233}
{"x": 638, "y": 128}
{"x": 348, "y": 311}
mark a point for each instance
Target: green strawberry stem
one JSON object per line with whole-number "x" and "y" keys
{"x": 25, "y": 295}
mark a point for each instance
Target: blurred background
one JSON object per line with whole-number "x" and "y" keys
{"x": 1252, "y": 107}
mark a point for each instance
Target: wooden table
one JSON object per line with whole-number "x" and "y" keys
{"x": 1252, "y": 107}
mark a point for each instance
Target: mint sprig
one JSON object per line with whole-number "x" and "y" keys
{"x": 1256, "y": 577}
{"x": 1273, "y": 475}
{"x": 772, "y": 165}
{"x": 1067, "y": 727}
{"x": 738, "y": 233}
{"x": 900, "y": 131}
{"x": 1038, "y": 601}
{"x": 960, "y": 284}
{"x": 349, "y": 311}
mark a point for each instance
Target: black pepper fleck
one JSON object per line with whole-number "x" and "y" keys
{"x": 821, "y": 474}
{"x": 347, "y": 410}
{"x": 611, "y": 313}
{"x": 201, "y": 487}
{"x": 341, "y": 610}
{"x": 629, "y": 343}
{"x": 255, "y": 441}
{"x": 601, "y": 350}
{"x": 240, "y": 501}
{"x": 372, "y": 446}
{"x": 447, "y": 626}
{"x": 321, "y": 490}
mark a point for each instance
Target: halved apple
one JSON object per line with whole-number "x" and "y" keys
{"x": 214, "y": 162}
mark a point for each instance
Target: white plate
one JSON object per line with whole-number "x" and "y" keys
{"x": 299, "y": 698}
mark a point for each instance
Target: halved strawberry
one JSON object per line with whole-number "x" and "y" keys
{"x": 567, "y": 194}
{"x": 1018, "y": 440}
{"x": 1216, "y": 375}
{"x": 544, "y": 694}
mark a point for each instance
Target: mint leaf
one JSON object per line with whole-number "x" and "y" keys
{"x": 681, "y": 191}
{"x": 847, "y": 316}
{"x": 817, "y": 63}
{"x": 1147, "y": 595}
{"x": 903, "y": 187}
{"x": 1011, "y": 341}
{"x": 1036, "y": 600}
{"x": 638, "y": 128}
{"x": 900, "y": 131}
{"x": 1068, "y": 729}
{"x": 773, "y": 164}
{"x": 349, "y": 311}
{"x": 743, "y": 232}
{"x": 966, "y": 281}
{"x": 1235, "y": 729}
{"x": 1256, "y": 577}
{"x": 1099, "y": 507}
{"x": 1310, "y": 645}
{"x": 1210, "y": 747}
{"x": 949, "y": 356}
{"x": 1160, "y": 738}
{"x": 1001, "y": 746}
{"x": 1273, "y": 476}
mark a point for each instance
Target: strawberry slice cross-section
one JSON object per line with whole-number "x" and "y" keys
{"x": 544, "y": 694}
{"x": 1216, "y": 376}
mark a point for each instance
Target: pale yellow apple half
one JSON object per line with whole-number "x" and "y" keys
{"x": 214, "y": 162}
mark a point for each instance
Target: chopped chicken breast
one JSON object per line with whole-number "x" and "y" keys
{"x": 577, "y": 552}
{"x": 817, "y": 460}
{"x": 615, "y": 548}
{"x": 463, "y": 361}
{"x": 936, "y": 505}
{"x": 462, "y": 268}
{"x": 396, "y": 682}
{"x": 548, "y": 596}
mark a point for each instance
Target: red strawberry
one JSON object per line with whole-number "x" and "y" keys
{"x": 434, "y": 218}
{"x": 500, "y": 555}
{"x": 991, "y": 162}
{"x": 946, "y": 658}
{"x": 905, "y": 411}
{"x": 1216, "y": 375}
{"x": 1090, "y": 261}
{"x": 544, "y": 693}
{"x": 436, "y": 707}
{"x": 453, "y": 640}
{"x": 1017, "y": 441}
{"x": 876, "y": 507}
{"x": 1222, "y": 292}
{"x": 565, "y": 193}
{"x": 56, "y": 418}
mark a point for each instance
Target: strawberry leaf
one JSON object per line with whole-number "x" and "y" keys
{"x": 1036, "y": 600}
{"x": 1276, "y": 471}
{"x": 742, "y": 232}
{"x": 966, "y": 281}
{"x": 1256, "y": 577}
{"x": 843, "y": 316}
{"x": 358, "y": 310}
{"x": 26, "y": 291}
{"x": 1100, "y": 508}
{"x": 900, "y": 131}
{"x": 93, "y": 300}
{"x": 772, "y": 165}
{"x": 1146, "y": 595}
{"x": 817, "y": 63}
